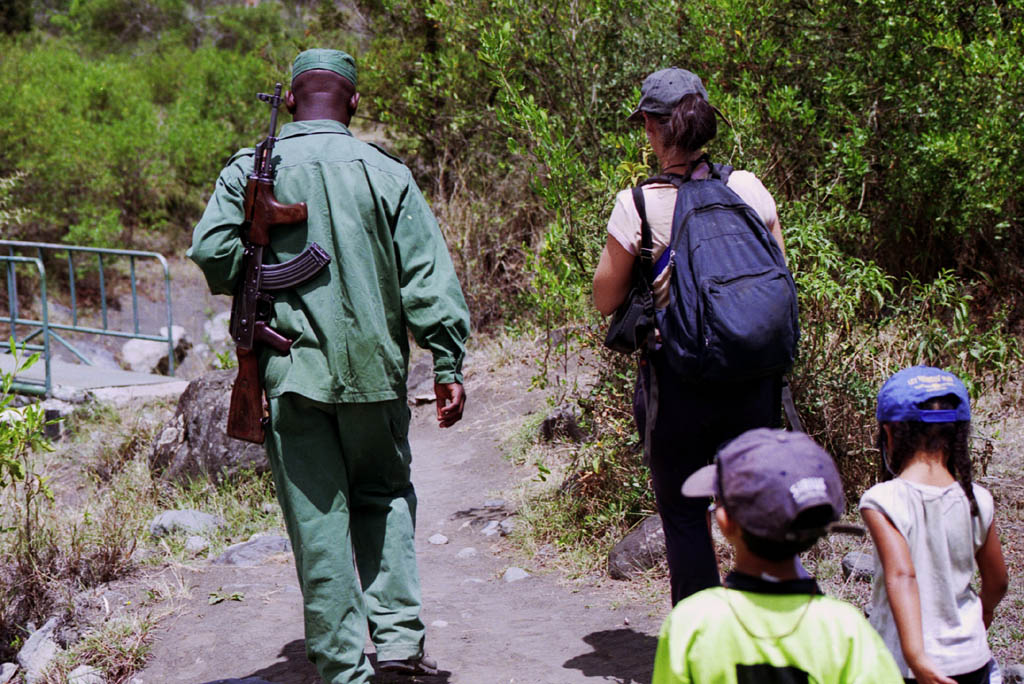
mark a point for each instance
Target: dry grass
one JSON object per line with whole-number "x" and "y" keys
{"x": 94, "y": 534}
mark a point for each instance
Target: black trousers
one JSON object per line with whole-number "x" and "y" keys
{"x": 693, "y": 421}
{"x": 979, "y": 676}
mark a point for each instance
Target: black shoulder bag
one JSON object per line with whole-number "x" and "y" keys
{"x": 634, "y": 318}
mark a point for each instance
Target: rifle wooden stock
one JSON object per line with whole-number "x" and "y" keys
{"x": 263, "y": 211}
{"x": 245, "y": 417}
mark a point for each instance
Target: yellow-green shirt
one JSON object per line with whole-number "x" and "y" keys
{"x": 390, "y": 270}
{"x": 728, "y": 636}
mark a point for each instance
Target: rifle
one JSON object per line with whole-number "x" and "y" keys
{"x": 252, "y": 306}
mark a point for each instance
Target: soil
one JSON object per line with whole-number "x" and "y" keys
{"x": 481, "y": 628}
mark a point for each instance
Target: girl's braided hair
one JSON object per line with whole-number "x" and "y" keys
{"x": 949, "y": 438}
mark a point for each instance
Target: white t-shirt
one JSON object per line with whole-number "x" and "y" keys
{"x": 943, "y": 538}
{"x": 660, "y": 202}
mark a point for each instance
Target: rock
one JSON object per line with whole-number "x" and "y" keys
{"x": 253, "y": 552}
{"x": 247, "y": 680}
{"x": 195, "y": 545}
{"x": 425, "y": 398}
{"x": 467, "y": 552}
{"x": 86, "y": 674}
{"x": 859, "y": 565}
{"x": 184, "y": 521}
{"x": 494, "y": 503}
{"x": 56, "y": 411}
{"x": 216, "y": 333}
{"x": 562, "y": 422}
{"x": 515, "y": 574}
{"x": 7, "y": 671}
{"x": 438, "y": 623}
{"x": 268, "y": 508}
{"x": 640, "y": 550}
{"x": 150, "y": 356}
{"x": 506, "y": 526}
{"x": 39, "y": 650}
{"x": 438, "y": 539}
{"x": 421, "y": 377}
{"x": 194, "y": 444}
{"x": 1013, "y": 673}
{"x": 491, "y": 528}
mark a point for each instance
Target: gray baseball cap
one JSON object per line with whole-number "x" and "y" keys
{"x": 662, "y": 91}
{"x": 766, "y": 478}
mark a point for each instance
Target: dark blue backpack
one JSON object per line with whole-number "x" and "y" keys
{"x": 732, "y": 314}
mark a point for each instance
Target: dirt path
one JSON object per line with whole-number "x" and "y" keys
{"x": 481, "y": 628}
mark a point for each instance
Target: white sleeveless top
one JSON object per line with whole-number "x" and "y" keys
{"x": 943, "y": 538}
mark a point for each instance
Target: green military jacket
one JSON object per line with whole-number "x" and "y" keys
{"x": 390, "y": 270}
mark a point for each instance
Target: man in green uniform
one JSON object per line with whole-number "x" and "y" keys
{"x": 338, "y": 432}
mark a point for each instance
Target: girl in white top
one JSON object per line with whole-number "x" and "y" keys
{"x": 932, "y": 527}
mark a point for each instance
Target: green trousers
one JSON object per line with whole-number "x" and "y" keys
{"x": 343, "y": 481}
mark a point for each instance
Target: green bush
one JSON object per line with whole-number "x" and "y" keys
{"x": 119, "y": 151}
{"x": 889, "y": 136}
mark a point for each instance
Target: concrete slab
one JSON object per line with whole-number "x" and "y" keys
{"x": 103, "y": 384}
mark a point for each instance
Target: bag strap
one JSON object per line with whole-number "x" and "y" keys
{"x": 646, "y": 238}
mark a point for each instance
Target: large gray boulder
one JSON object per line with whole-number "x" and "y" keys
{"x": 640, "y": 550}
{"x": 150, "y": 356}
{"x": 194, "y": 442}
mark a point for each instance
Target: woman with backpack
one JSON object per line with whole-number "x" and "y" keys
{"x": 692, "y": 416}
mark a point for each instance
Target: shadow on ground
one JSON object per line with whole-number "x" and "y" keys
{"x": 624, "y": 656}
{"x": 296, "y": 669}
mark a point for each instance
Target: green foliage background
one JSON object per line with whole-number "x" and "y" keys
{"x": 890, "y": 135}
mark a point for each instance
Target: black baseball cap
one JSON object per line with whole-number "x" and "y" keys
{"x": 766, "y": 478}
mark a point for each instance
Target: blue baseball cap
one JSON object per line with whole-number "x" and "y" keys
{"x": 901, "y": 395}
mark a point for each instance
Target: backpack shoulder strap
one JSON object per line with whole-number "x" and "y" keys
{"x": 646, "y": 239}
{"x": 721, "y": 172}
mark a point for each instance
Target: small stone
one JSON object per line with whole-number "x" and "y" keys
{"x": 421, "y": 399}
{"x": 1013, "y": 673}
{"x": 562, "y": 423}
{"x": 859, "y": 565}
{"x": 494, "y": 503}
{"x": 438, "y": 623}
{"x": 467, "y": 552}
{"x": 472, "y": 580}
{"x": 438, "y": 539}
{"x": 195, "y": 545}
{"x": 7, "y": 671}
{"x": 491, "y": 528}
{"x": 268, "y": 508}
{"x": 185, "y": 521}
{"x": 515, "y": 574}
{"x": 507, "y": 526}
{"x": 253, "y": 552}
{"x": 86, "y": 674}
{"x": 216, "y": 329}
{"x": 38, "y": 652}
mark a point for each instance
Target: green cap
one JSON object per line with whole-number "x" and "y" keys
{"x": 337, "y": 61}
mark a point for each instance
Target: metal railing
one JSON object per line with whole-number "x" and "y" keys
{"x": 25, "y": 331}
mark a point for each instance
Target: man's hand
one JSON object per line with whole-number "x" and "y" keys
{"x": 451, "y": 399}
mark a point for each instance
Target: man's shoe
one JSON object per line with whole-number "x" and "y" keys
{"x": 423, "y": 665}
